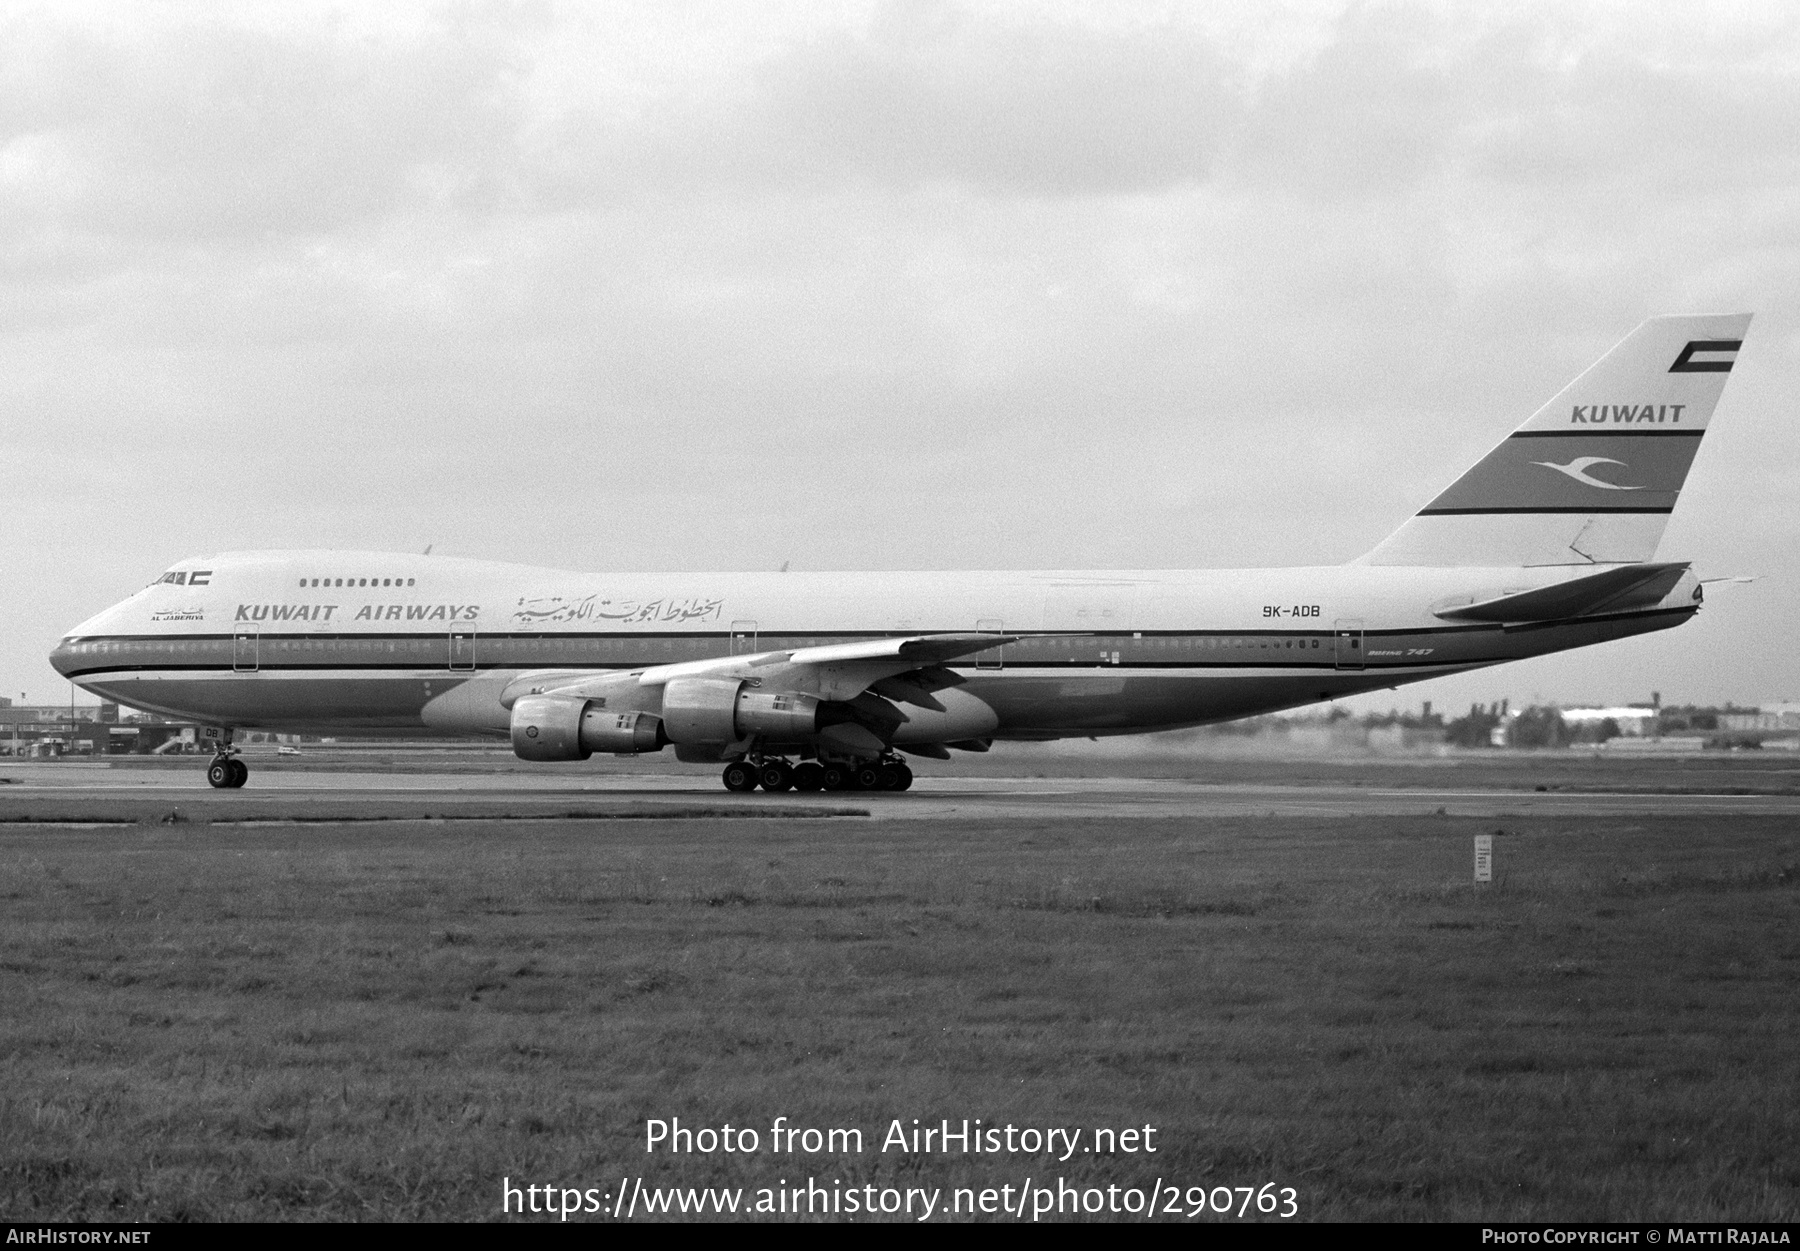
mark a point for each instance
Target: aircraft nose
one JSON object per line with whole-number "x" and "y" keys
{"x": 64, "y": 658}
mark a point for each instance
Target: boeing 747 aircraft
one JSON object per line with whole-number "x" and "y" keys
{"x": 822, "y": 680}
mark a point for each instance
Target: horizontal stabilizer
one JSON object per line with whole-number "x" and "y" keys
{"x": 1612, "y": 590}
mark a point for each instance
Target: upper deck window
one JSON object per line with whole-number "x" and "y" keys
{"x": 309, "y": 582}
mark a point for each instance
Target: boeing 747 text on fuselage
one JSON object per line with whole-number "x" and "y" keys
{"x": 823, "y": 680}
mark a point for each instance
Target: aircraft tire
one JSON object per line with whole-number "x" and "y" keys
{"x": 220, "y": 774}
{"x": 240, "y": 773}
{"x": 808, "y": 777}
{"x": 837, "y": 778}
{"x": 739, "y": 776}
{"x": 777, "y": 775}
{"x": 868, "y": 778}
{"x": 904, "y": 780}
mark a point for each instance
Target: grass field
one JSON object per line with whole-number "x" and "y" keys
{"x": 383, "y": 1021}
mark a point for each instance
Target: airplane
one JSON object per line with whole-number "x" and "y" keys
{"x": 827, "y": 681}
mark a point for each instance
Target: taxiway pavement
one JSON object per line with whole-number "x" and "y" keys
{"x": 37, "y": 792}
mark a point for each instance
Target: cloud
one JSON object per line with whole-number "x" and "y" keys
{"x": 1042, "y": 109}
{"x": 205, "y": 133}
{"x": 914, "y": 285}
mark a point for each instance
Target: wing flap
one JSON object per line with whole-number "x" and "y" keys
{"x": 917, "y": 686}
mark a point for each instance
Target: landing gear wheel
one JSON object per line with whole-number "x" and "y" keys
{"x": 808, "y": 777}
{"x": 220, "y": 775}
{"x": 890, "y": 777}
{"x": 240, "y": 773}
{"x": 868, "y": 778}
{"x": 776, "y": 775}
{"x": 906, "y": 777}
{"x": 836, "y": 778}
{"x": 740, "y": 776}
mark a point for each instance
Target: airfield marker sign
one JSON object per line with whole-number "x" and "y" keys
{"x": 1484, "y": 857}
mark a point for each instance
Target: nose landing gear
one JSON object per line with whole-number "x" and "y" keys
{"x": 227, "y": 772}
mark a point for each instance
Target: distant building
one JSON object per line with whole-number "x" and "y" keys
{"x": 1771, "y": 717}
{"x": 1633, "y": 720}
{"x": 81, "y": 730}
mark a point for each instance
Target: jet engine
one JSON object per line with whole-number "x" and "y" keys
{"x": 694, "y": 710}
{"x": 546, "y": 727}
{"x": 724, "y": 710}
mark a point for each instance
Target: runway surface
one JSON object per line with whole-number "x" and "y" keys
{"x": 40, "y": 792}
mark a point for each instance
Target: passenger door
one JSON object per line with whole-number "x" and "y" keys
{"x": 462, "y": 647}
{"x": 994, "y": 657}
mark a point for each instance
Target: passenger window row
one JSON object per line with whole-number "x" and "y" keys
{"x": 357, "y": 582}
{"x": 499, "y": 649}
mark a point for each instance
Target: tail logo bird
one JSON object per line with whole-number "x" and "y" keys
{"x": 1578, "y": 470}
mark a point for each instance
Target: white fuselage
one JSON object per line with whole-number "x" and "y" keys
{"x": 324, "y": 641}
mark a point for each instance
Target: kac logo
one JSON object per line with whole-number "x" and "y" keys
{"x": 1578, "y": 470}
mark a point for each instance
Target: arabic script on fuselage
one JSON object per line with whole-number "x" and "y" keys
{"x": 564, "y": 610}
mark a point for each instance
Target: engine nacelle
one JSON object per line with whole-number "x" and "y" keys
{"x": 701, "y": 710}
{"x": 548, "y": 727}
{"x": 621, "y": 733}
{"x": 724, "y": 710}
{"x": 779, "y": 715}
{"x": 695, "y": 711}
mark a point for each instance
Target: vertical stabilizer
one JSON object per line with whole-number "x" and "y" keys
{"x": 1592, "y": 477}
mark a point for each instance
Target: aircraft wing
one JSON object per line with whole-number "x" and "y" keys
{"x": 833, "y": 669}
{"x": 906, "y": 669}
{"x": 575, "y": 683}
{"x": 920, "y": 649}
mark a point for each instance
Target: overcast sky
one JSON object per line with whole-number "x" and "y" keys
{"x": 909, "y": 285}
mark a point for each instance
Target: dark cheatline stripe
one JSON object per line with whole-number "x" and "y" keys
{"x": 1579, "y": 508}
{"x": 1324, "y": 665}
{"x": 410, "y": 668}
{"x": 1533, "y": 627}
{"x": 1590, "y": 432}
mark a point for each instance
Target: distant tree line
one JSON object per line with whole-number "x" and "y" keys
{"x": 1535, "y": 726}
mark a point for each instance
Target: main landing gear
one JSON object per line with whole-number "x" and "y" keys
{"x": 889, "y": 774}
{"x": 227, "y": 772}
